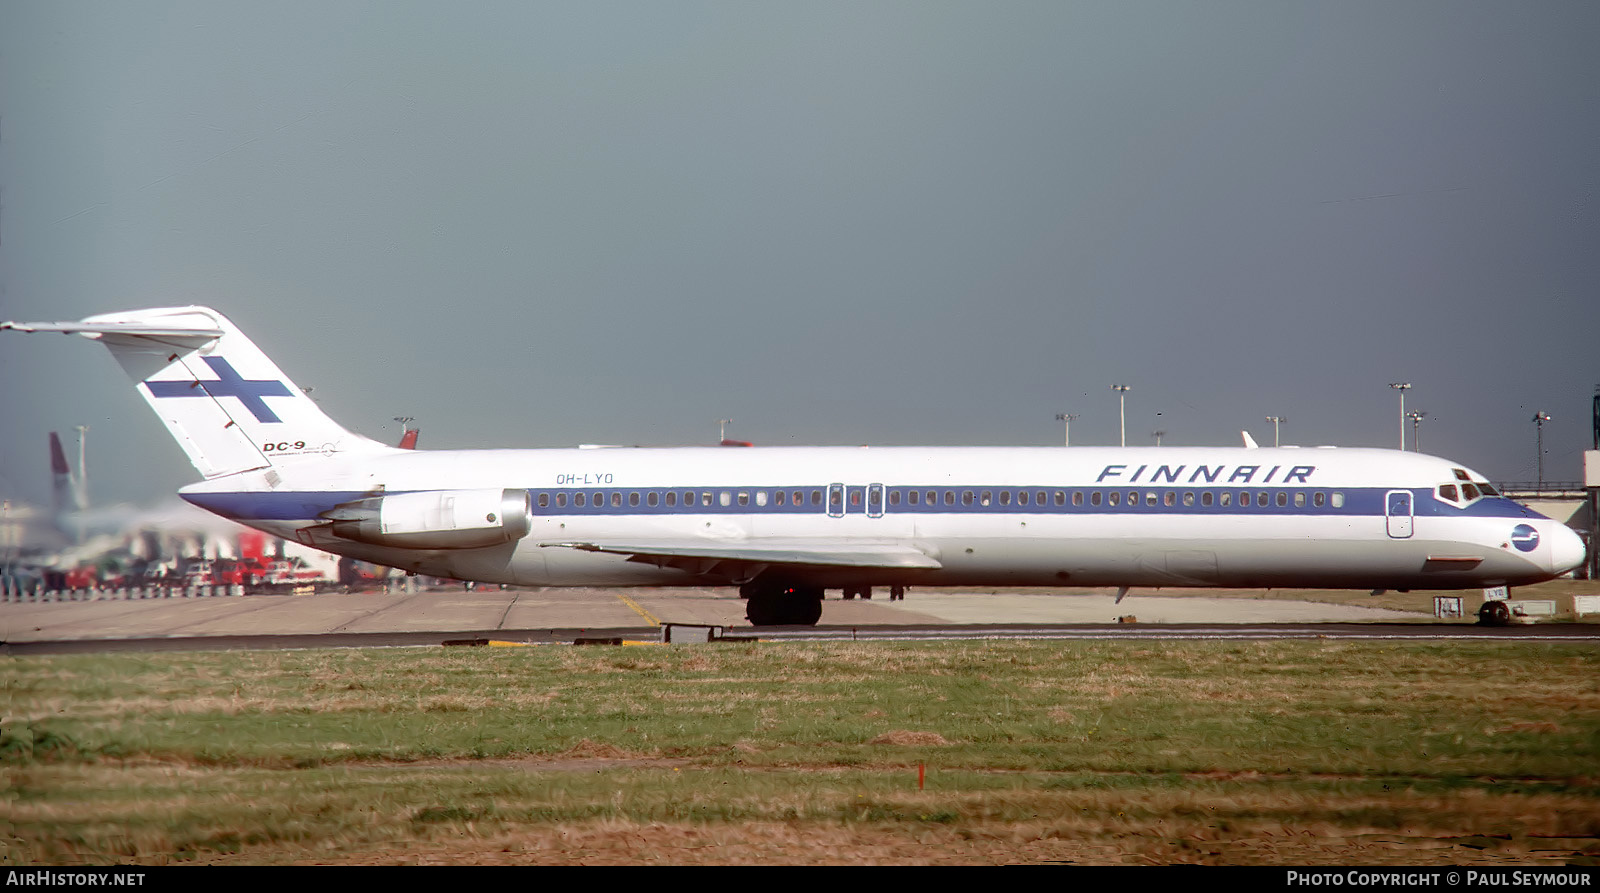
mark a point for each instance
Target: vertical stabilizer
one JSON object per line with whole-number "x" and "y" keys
{"x": 62, "y": 488}
{"x": 225, "y": 402}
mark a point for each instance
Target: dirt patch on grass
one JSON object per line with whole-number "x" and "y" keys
{"x": 904, "y": 738}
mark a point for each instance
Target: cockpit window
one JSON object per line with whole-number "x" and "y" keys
{"x": 1447, "y": 492}
{"x": 1460, "y": 474}
{"x": 1483, "y": 486}
{"x": 1469, "y": 491}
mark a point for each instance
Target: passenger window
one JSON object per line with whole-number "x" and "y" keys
{"x": 894, "y": 497}
{"x": 544, "y": 500}
{"x": 616, "y": 499}
{"x": 1206, "y": 499}
{"x": 579, "y": 499}
{"x": 1227, "y": 497}
{"x": 949, "y": 497}
{"x": 633, "y": 499}
{"x": 816, "y": 497}
{"x": 1318, "y": 498}
{"x": 1299, "y": 500}
{"x": 1005, "y": 497}
{"x": 1150, "y": 498}
{"x": 911, "y": 497}
{"x": 1170, "y": 498}
{"x": 1022, "y": 497}
{"x": 1188, "y": 498}
{"x": 1283, "y": 499}
{"x": 744, "y": 497}
{"x": 1094, "y": 498}
{"x": 1061, "y": 498}
{"x": 855, "y": 497}
{"x": 1077, "y": 497}
{"x": 1133, "y": 498}
{"x": 1261, "y": 498}
{"x": 966, "y": 497}
{"x": 1114, "y": 497}
{"x": 561, "y": 500}
{"x": 725, "y": 498}
{"x": 933, "y": 498}
{"x": 705, "y": 499}
{"x": 653, "y": 499}
{"x": 777, "y": 497}
{"x": 1337, "y": 500}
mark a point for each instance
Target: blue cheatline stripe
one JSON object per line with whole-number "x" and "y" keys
{"x": 562, "y": 502}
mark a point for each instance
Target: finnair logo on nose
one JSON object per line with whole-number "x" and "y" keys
{"x": 1525, "y": 538}
{"x": 228, "y": 384}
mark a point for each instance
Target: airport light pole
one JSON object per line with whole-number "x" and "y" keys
{"x": 1539, "y": 418}
{"x": 1276, "y": 421}
{"x": 722, "y": 429}
{"x": 1158, "y": 434}
{"x": 1066, "y": 436}
{"x": 1416, "y": 416}
{"x": 1402, "y": 387}
{"x": 1122, "y": 405}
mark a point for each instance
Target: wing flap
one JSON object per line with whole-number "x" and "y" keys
{"x": 768, "y": 552}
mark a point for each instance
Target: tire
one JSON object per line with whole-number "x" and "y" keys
{"x": 1494, "y": 614}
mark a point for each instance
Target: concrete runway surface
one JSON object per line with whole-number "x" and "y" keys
{"x": 450, "y": 610}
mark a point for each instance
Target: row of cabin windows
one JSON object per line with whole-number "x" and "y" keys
{"x": 1205, "y": 498}
{"x": 689, "y": 498}
{"x": 1151, "y": 498}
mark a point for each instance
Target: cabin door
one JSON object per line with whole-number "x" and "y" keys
{"x": 1397, "y": 508}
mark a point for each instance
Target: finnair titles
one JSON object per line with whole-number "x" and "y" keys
{"x": 785, "y": 524}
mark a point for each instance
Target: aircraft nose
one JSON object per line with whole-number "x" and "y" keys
{"x": 1566, "y": 549}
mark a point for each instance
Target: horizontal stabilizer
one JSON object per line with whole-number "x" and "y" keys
{"x": 228, "y": 406}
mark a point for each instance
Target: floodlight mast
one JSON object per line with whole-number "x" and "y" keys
{"x": 1066, "y": 435}
{"x": 1276, "y": 421}
{"x": 1416, "y": 416}
{"x": 1539, "y": 418}
{"x": 1122, "y": 408}
{"x": 1402, "y": 387}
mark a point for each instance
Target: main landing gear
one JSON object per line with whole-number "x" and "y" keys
{"x": 1495, "y": 613}
{"x": 779, "y": 604}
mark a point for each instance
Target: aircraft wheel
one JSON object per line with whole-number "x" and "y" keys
{"x": 783, "y": 606}
{"x": 1494, "y": 614}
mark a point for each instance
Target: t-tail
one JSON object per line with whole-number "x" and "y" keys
{"x": 225, "y": 402}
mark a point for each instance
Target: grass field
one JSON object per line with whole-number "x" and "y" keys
{"x": 1295, "y": 752}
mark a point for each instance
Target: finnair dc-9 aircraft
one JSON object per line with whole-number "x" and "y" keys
{"x": 784, "y": 524}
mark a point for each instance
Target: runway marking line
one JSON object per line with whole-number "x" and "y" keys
{"x": 638, "y": 609}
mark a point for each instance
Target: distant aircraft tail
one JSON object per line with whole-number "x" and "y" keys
{"x": 65, "y": 490}
{"x": 225, "y": 402}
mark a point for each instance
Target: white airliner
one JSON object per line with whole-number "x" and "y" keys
{"x": 785, "y": 524}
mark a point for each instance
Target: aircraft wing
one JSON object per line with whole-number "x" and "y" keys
{"x": 703, "y": 556}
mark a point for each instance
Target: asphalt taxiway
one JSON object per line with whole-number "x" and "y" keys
{"x": 553, "y": 615}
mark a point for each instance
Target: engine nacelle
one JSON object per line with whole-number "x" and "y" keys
{"x": 435, "y": 519}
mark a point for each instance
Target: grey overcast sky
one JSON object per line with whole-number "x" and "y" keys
{"x": 543, "y": 224}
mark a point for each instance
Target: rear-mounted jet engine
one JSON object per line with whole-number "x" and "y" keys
{"x": 435, "y": 519}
